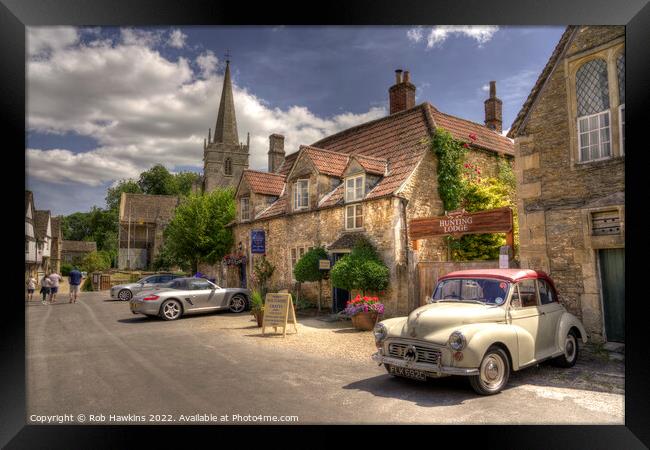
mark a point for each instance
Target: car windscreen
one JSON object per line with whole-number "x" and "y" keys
{"x": 473, "y": 290}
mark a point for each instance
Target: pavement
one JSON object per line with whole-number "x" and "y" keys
{"x": 95, "y": 362}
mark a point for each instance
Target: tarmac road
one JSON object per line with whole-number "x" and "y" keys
{"x": 95, "y": 358}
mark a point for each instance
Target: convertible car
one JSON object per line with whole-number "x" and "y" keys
{"x": 189, "y": 296}
{"x": 482, "y": 324}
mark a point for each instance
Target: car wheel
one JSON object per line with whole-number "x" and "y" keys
{"x": 171, "y": 310}
{"x": 494, "y": 372}
{"x": 570, "y": 355}
{"x": 237, "y": 304}
{"x": 125, "y": 295}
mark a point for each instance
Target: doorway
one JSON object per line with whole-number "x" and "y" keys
{"x": 612, "y": 279}
{"x": 340, "y": 297}
{"x": 242, "y": 274}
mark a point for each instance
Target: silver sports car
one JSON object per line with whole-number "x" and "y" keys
{"x": 127, "y": 291}
{"x": 189, "y": 296}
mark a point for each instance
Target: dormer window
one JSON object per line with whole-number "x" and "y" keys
{"x": 301, "y": 194}
{"x": 244, "y": 204}
{"x": 354, "y": 188}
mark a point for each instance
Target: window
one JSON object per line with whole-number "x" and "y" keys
{"x": 245, "y": 209}
{"x": 297, "y": 253}
{"x": 354, "y": 217}
{"x": 354, "y": 188}
{"x": 527, "y": 293}
{"x": 620, "y": 72}
{"x": 592, "y": 94}
{"x": 200, "y": 285}
{"x": 621, "y": 125}
{"x": 26, "y": 245}
{"x": 227, "y": 166}
{"x": 301, "y": 194}
{"x": 546, "y": 295}
{"x": 472, "y": 289}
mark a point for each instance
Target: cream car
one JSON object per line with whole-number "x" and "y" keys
{"x": 482, "y": 324}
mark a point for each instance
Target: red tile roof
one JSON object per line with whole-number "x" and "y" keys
{"x": 277, "y": 208}
{"x": 376, "y": 166}
{"x": 264, "y": 182}
{"x": 326, "y": 161}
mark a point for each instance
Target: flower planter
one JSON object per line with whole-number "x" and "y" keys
{"x": 259, "y": 316}
{"x": 365, "y": 320}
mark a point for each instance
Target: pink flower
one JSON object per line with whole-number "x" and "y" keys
{"x": 472, "y": 136}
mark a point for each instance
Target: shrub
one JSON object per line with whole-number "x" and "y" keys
{"x": 257, "y": 302}
{"x": 87, "y": 285}
{"x": 262, "y": 271}
{"x": 306, "y": 269}
{"x": 96, "y": 261}
{"x": 65, "y": 269}
{"x": 362, "y": 269}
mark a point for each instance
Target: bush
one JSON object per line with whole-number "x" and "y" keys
{"x": 96, "y": 261}
{"x": 87, "y": 285}
{"x": 362, "y": 269}
{"x": 65, "y": 269}
{"x": 257, "y": 302}
{"x": 306, "y": 268}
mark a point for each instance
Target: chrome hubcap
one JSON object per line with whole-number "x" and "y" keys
{"x": 171, "y": 310}
{"x": 124, "y": 295}
{"x": 237, "y": 304}
{"x": 570, "y": 348}
{"x": 492, "y": 371}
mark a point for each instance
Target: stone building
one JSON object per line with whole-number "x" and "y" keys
{"x": 57, "y": 238}
{"x": 43, "y": 231}
{"x": 570, "y": 165}
{"x": 224, "y": 157}
{"x": 368, "y": 180}
{"x": 142, "y": 221}
{"x": 30, "y": 235}
{"x": 73, "y": 252}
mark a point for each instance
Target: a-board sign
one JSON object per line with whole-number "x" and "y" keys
{"x": 278, "y": 312}
{"x": 324, "y": 264}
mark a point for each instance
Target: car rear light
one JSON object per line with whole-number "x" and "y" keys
{"x": 151, "y": 297}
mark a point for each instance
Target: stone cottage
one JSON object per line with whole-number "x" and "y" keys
{"x": 30, "y": 235}
{"x": 73, "y": 252}
{"x": 570, "y": 165}
{"x": 43, "y": 230}
{"x": 55, "y": 251}
{"x": 368, "y": 180}
{"x": 143, "y": 219}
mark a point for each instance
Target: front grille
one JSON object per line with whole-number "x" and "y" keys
{"x": 425, "y": 354}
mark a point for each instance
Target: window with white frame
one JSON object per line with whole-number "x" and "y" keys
{"x": 244, "y": 203}
{"x": 297, "y": 253}
{"x": 301, "y": 194}
{"x": 620, "y": 72}
{"x": 354, "y": 217}
{"x": 592, "y": 93}
{"x": 354, "y": 188}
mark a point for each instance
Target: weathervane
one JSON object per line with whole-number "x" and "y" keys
{"x": 227, "y": 55}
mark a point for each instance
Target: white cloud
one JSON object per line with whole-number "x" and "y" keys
{"x": 485, "y": 87}
{"x": 43, "y": 39}
{"x": 143, "y": 109}
{"x": 177, "y": 39}
{"x": 440, "y": 33}
{"x": 133, "y": 36}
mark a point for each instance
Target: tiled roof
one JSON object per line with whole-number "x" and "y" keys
{"x": 264, "y": 182}
{"x": 147, "y": 208}
{"x": 40, "y": 223}
{"x": 78, "y": 246}
{"x": 390, "y": 146}
{"x": 346, "y": 241}
{"x": 560, "y": 48}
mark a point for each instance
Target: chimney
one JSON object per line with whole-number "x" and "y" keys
{"x": 401, "y": 95}
{"x": 493, "y": 109}
{"x": 276, "y": 152}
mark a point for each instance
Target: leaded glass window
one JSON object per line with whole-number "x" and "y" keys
{"x": 592, "y": 88}
{"x": 228, "y": 166}
{"x": 620, "y": 71}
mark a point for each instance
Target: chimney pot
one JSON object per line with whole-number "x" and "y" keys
{"x": 401, "y": 95}
{"x": 398, "y": 76}
{"x": 493, "y": 109}
{"x": 276, "y": 152}
{"x": 407, "y": 77}
{"x": 493, "y": 89}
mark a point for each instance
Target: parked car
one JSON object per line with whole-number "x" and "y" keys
{"x": 481, "y": 324}
{"x": 189, "y": 296}
{"x": 127, "y": 291}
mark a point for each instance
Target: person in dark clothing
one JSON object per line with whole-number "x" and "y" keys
{"x": 74, "y": 277}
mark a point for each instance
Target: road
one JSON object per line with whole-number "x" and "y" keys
{"x": 95, "y": 358}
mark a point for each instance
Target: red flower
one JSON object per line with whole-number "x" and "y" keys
{"x": 465, "y": 145}
{"x": 472, "y": 136}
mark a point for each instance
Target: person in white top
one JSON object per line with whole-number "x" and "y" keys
{"x": 31, "y": 285}
{"x": 45, "y": 288}
{"x": 55, "y": 278}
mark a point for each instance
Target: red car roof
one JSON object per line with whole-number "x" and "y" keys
{"x": 511, "y": 275}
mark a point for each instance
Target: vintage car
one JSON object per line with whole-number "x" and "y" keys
{"x": 482, "y": 324}
{"x": 189, "y": 296}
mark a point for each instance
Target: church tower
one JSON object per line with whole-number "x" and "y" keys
{"x": 224, "y": 157}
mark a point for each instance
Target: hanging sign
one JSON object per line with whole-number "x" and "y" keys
{"x": 458, "y": 223}
{"x": 278, "y": 312}
{"x": 258, "y": 244}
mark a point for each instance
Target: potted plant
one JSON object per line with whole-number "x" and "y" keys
{"x": 257, "y": 307}
{"x": 364, "y": 312}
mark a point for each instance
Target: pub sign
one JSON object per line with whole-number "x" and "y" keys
{"x": 258, "y": 244}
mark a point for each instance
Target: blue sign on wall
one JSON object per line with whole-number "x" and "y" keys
{"x": 257, "y": 241}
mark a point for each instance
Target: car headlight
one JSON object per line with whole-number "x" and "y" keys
{"x": 380, "y": 331}
{"x": 457, "y": 341}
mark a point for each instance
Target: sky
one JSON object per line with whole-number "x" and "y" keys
{"x": 105, "y": 104}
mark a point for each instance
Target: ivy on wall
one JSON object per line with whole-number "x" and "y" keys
{"x": 451, "y": 154}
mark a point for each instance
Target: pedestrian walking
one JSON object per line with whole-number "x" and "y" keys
{"x": 46, "y": 285}
{"x": 74, "y": 278}
{"x": 31, "y": 286}
{"x": 55, "y": 278}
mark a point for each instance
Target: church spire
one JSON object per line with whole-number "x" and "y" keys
{"x": 225, "y": 131}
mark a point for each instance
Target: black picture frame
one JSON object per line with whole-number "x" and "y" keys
{"x": 16, "y": 14}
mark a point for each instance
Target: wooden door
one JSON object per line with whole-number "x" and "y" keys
{"x": 612, "y": 277}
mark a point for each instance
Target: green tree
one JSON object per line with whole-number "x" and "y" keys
{"x": 263, "y": 271}
{"x": 157, "y": 181}
{"x": 96, "y": 261}
{"x": 306, "y": 269}
{"x": 197, "y": 232}
{"x": 362, "y": 269}
{"x": 114, "y": 194}
{"x": 165, "y": 260}
{"x": 183, "y": 182}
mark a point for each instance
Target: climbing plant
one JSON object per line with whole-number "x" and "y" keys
{"x": 450, "y": 154}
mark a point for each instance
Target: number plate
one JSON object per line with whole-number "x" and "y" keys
{"x": 408, "y": 373}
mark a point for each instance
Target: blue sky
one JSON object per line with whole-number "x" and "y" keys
{"x": 107, "y": 103}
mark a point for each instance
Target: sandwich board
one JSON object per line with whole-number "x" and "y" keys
{"x": 278, "y": 312}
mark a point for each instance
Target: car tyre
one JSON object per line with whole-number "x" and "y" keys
{"x": 171, "y": 310}
{"x": 494, "y": 372}
{"x": 571, "y": 350}
{"x": 238, "y": 304}
{"x": 125, "y": 295}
